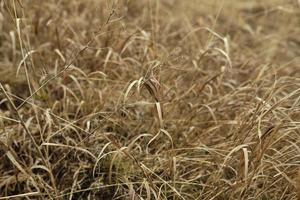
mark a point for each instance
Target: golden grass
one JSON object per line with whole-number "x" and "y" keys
{"x": 149, "y": 99}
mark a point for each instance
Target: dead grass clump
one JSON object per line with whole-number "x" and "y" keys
{"x": 149, "y": 99}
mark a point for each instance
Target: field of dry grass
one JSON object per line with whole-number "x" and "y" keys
{"x": 150, "y": 99}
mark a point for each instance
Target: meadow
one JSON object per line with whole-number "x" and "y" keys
{"x": 150, "y": 99}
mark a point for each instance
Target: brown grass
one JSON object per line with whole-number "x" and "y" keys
{"x": 149, "y": 99}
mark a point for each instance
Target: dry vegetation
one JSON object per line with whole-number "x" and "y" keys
{"x": 149, "y": 99}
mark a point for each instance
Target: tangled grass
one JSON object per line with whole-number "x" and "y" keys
{"x": 149, "y": 99}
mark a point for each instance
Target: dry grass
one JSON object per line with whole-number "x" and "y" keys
{"x": 149, "y": 99}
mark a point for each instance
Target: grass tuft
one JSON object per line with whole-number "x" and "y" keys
{"x": 149, "y": 99}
